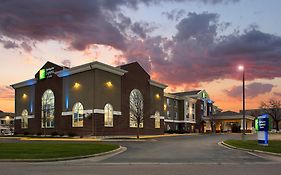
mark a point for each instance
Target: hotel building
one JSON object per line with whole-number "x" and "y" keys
{"x": 91, "y": 99}
{"x": 94, "y": 99}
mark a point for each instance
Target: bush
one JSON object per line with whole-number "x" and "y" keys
{"x": 71, "y": 134}
{"x": 39, "y": 134}
{"x": 26, "y": 133}
{"x": 61, "y": 134}
{"x": 54, "y": 133}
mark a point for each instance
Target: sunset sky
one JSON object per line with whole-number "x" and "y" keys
{"x": 186, "y": 44}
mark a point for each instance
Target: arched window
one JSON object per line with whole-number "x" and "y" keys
{"x": 48, "y": 109}
{"x": 157, "y": 119}
{"x": 24, "y": 119}
{"x": 108, "y": 115}
{"x": 136, "y": 108}
{"x": 77, "y": 117}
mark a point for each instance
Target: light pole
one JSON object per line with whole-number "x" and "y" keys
{"x": 241, "y": 68}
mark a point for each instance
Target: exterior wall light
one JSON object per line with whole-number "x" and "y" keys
{"x": 76, "y": 85}
{"x": 109, "y": 84}
{"x": 24, "y": 96}
{"x": 165, "y": 107}
{"x": 157, "y": 96}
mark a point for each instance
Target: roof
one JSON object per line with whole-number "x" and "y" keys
{"x": 89, "y": 66}
{"x": 4, "y": 114}
{"x": 157, "y": 84}
{"x": 228, "y": 113}
{"x": 187, "y": 93}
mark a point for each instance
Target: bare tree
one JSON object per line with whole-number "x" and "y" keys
{"x": 273, "y": 109}
{"x": 136, "y": 110}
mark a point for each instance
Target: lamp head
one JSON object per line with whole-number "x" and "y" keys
{"x": 241, "y": 68}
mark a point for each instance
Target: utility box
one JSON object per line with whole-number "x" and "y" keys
{"x": 262, "y": 126}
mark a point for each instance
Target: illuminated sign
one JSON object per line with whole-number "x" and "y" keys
{"x": 46, "y": 73}
{"x": 42, "y": 74}
{"x": 262, "y": 126}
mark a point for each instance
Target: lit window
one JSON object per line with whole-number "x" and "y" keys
{"x": 108, "y": 115}
{"x": 136, "y": 108}
{"x": 157, "y": 119}
{"x": 24, "y": 119}
{"x": 168, "y": 114}
{"x": 77, "y": 117}
{"x": 48, "y": 109}
{"x": 168, "y": 101}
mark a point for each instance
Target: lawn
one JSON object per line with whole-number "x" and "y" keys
{"x": 273, "y": 146}
{"x": 49, "y": 150}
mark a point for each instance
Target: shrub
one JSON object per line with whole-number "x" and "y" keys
{"x": 54, "y": 133}
{"x": 71, "y": 134}
{"x": 26, "y": 133}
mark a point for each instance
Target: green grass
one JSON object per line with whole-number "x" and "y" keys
{"x": 273, "y": 146}
{"x": 48, "y": 150}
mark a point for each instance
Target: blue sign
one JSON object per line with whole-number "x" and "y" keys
{"x": 262, "y": 128}
{"x": 263, "y": 123}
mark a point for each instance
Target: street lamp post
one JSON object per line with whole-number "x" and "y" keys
{"x": 241, "y": 68}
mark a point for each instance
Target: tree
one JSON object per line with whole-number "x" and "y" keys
{"x": 136, "y": 110}
{"x": 273, "y": 109}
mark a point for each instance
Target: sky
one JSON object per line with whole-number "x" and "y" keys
{"x": 186, "y": 44}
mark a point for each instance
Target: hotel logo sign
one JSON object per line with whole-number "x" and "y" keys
{"x": 46, "y": 73}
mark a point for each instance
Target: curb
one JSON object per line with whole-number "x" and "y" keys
{"x": 249, "y": 150}
{"x": 118, "y": 150}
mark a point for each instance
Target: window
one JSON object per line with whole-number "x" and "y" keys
{"x": 168, "y": 114}
{"x": 108, "y": 115}
{"x": 77, "y": 116}
{"x": 48, "y": 109}
{"x": 168, "y": 102}
{"x": 193, "y": 106}
{"x": 157, "y": 119}
{"x": 24, "y": 119}
{"x": 202, "y": 107}
{"x": 136, "y": 108}
{"x": 176, "y": 103}
{"x": 2, "y": 122}
{"x": 193, "y": 116}
{"x": 176, "y": 115}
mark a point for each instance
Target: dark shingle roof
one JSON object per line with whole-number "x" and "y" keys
{"x": 194, "y": 92}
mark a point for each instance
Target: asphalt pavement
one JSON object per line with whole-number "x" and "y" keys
{"x": 197, "y": 154}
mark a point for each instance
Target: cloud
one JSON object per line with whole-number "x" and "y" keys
{"x": 6, "y": 92}
{"x": 251, "y": 90}
{"x": 7, "y": 44}
{"x": 277, "y": 94}
{"x": 79, "y": 24}
{"x": 174, "y": 14}
{"x": 66, "y": 62}
{"x": 196, "y": 53}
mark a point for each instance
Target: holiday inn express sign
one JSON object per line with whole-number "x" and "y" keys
{"x": 46, "y": 73}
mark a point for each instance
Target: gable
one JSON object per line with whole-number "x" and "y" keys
{"x": 135, "y": 67}
{"x": 47, "y": 71}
